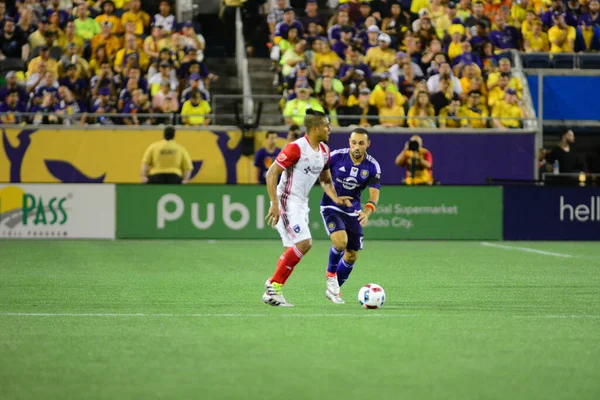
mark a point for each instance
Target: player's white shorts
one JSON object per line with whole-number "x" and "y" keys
{"x": 293, "y": 224}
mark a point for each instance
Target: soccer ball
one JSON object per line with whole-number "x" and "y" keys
{"x": 371, "y": 296}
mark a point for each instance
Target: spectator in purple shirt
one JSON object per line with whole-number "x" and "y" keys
{"x": 592, "y": 16}
{"x": 548, "y": 17}
{"x": 354, "y": 64}
{"x": 467, "y": 56}
{"x": 265, "y": 156}
{"x": 77, "y": 85}
{"x": 505, "y": 37}
{"x": 340, "y": 46}
{"x": 11, "y": 105}
{"x": 312, "y": 15}
{"x": 289, "y": 21}
{"x": 11, "y": 83}
{"x": 343, "y": 18}
{"x": 48, "y": 85}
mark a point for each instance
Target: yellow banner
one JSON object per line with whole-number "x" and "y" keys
{"x": 114, "y": 156}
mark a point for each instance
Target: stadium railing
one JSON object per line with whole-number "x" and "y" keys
{"x": 242, "y": 64}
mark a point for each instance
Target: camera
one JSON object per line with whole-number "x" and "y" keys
{"x": 413, "y": 145}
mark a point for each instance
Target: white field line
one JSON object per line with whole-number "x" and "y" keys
{"x": 525, "y": 249}
{"x": 368, "y": 314}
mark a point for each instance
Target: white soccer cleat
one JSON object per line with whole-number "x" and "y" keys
{"x": 274, "y": 295}
{"x": 333, "y": 290}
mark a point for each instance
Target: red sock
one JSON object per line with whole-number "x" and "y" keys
{"x": 286, "y": 264}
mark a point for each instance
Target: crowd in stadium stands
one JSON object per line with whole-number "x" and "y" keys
{"x": 100, "y": 58}
{"x": 376, "y": 60}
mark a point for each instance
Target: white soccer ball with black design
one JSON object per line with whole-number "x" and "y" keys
{"x": 371, "y": 296}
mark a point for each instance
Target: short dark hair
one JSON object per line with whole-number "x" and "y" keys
{"x": 294, "y": 127}
{"x": 313, "y": 119}
{"x": 361, "y": 131}
{"x": 505, "y": 74}
{"x": 169, "y": 133}
{"x": 270, "y": 133}
{"x": 472, "y": 92}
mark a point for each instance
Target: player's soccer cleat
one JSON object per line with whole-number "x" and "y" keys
{"x": 333, "y": 290}
{"x": 274, "y": 295}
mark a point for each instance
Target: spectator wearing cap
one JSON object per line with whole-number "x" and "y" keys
{"x": 195, "y": 111}
{"x": 512, "y": 108}
{"x": 354, "y": 64}
{"x": 139, "y": 17}
{"x": 69, "y": 36}
{"x": 106, "y": 38}
{"x": 154, "y": 43}
{"x": 397, "y": 24}
{"x": 165, "y": 91}
{"x": 380, "y": 90}
{"x": 364, "y": 114}
{"x": 51, "y": 64}
{"x": 342, "y": 19}
{"x": 504, "y": 66}
{"x": 423, "y": 14}
{"x": 190, "y": 39}
{"x": 371, "y": 39}
{"x": 104, "y": 105}
{"x": 77, "y": 84}
{"x": 312, "y": 16}
{"x": 292, "y": 57}
{"x": 324, "y": 56}
{"x": 164, "y": 17}
{"x": 423, "y": 110}
{"x": 587, "y": 38}
{"x": 11, "y": 105}
{"x": 130, "y": 51}
{"x": 108, "y": 15}
{"x": 478, "y": 16}
{"x": 340, "y": 46}
{"x": 13, "y": 83}
{"x": 299, "y": 74}
{"x": 391, "y": 111}
{"x": 382, "y": 57}
{"x": 195, "y": 84}
{"x": 38, "y": 38}
{"x": 536, "y": 41}
{"x": 504, "y": 37}
{"x": 295, "y": 109}
{"x": 85, "y": 27}
{"x": 72, "y": 57}
{"x": 547, "y": 17}
{"x": 12, "y": 43}
{"x": 165, "y": 73}
{"x": 592, "y": 16}
{"x": 561, "y": 35}
{"x": 474, "y": 111}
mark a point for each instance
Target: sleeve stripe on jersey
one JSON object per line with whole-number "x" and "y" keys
{"x": 374, "y": 161}
{"x": 339, "y": 151}
{"x": 278, "y": 163}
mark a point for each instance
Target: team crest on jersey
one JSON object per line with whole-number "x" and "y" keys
{"x": 364, "y": 173}
{"x": 296, "y": 228}
{"x": 331, "y": 226}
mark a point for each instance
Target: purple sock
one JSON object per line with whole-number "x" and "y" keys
{"x": 343, "y": 271}
{"x": 334, "y": 259}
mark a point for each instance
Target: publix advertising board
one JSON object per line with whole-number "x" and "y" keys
{"x": 49, "y": 211}
{"x": 238, "y": 212}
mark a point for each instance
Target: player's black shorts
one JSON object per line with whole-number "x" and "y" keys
{"x": 338, "y": 221}
{"x": 168, "y": 179}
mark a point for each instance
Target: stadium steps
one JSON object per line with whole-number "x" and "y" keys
{"x": 262, "y": 84}
{"x": 228, "y": 83}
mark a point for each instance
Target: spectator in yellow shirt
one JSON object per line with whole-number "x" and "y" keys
{"x": 518, "y": 13}
{"x": 417, "y": 5}
{"x": 130, "y": 50}
{"x": 450, "y": 116}
{"x": 109, "y": 15}
{"x": 195, "y": 110}
{"x": 511, "y": 110}
{"x": 380, "y": 91}
{"x": 69, "y": 36}
{"x": 504, "y": 66}
{"x": 498, "y": 93}
{"x": 474, "y": 110}
{"x": 537, "y": 41}
{"x": 382, "y": 57}
{"x": 469, "y": 72}
{"x": 422, "y": 109}
{"x": 107, "y": 39}
{"x": 295, "y": 109}
{"x": 390, "y": 112}
{"x": 530, "y": 16}
{"x": 455, "y": 47}
{"x": 51, "y": 64}
{"x": 561, "y": 35}
{"x": 140, "y": 18}
{"x": 324, "y": 56}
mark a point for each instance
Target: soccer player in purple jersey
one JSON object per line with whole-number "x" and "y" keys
{"x": 353, "y": 170}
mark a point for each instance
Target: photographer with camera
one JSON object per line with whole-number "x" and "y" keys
{"x": 418, "y": 162}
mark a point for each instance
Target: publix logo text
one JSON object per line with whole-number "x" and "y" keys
{"x": 236, "y": 216}
{"x": 32, "y": 210}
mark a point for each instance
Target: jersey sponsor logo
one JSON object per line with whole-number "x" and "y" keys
{"x": 343, "y": 169}
{"x": 354, "y": 171}
{"x": 282, "y": 157}
{"x": 350, "y": 183}
{"x": 364, "y": 173}
{"x": 296, "y": 228}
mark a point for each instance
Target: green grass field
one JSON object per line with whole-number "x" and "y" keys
{"x": 184, "y": 320}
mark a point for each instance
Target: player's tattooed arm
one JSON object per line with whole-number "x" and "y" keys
{"x": 272, "y": 176}
{"x": 363, "y": 216}
{"x": 326, "y": 182}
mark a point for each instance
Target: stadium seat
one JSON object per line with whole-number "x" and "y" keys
{"x": 589, "y": 61}
{"x": 536, "y": 61}
{"x": 564, "y": 61}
